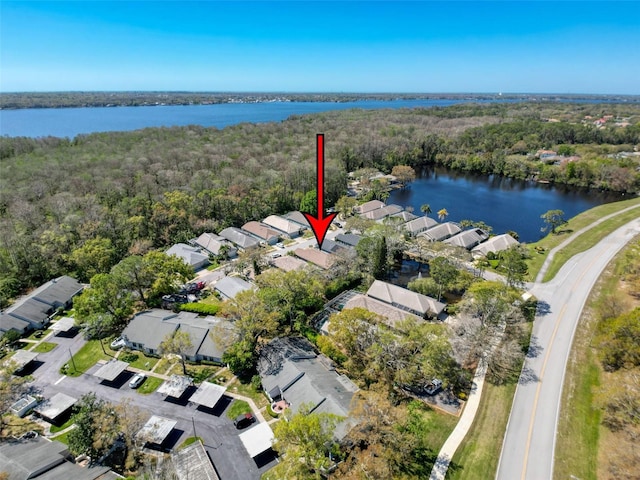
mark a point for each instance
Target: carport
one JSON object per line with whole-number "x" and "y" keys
{"x": 258, "y": 439}
{"x": 55, "y": 406}
{"x": 21, "y": 359}
{"x": 64, "y": 325}
{"x": 156, "y": 430}
{"x": 111, "y": 370}
{"x": 175, "y": 386}
{"x": 193, "y": 463}
{"x": 208, "y": 394}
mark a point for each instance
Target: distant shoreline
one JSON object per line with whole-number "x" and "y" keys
{"x": 30, "y": 100}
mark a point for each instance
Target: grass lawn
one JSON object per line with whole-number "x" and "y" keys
{"x": 44, "y": 347}
{"x": 150, "y": 385}
{"x": 189, "y": 441}
{"x": 245, "y": 389}
{"x": 238, "y": 407}
{"x": 38, "y": 334}
{"x": 587, "y": 240}
{"x": 576, "y": 223}
{"x": 210, "y": 300}
{"x": 55, "y": 428}
{"x": 439, "y": 425}
{"x": 86, "y": 357}
{"x": 142, "y": 362}
{"x": 64, "y": 438}
{"x": 200, "y": 373}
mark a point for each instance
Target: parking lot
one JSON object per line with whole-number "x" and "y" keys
{"x": 219, "y": 435}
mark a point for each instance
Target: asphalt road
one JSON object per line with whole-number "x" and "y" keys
{"x": 529, "y": 444}
{"x": 220, "y": 436}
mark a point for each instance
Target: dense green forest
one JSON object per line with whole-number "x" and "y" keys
{"x": 136, "y": 191}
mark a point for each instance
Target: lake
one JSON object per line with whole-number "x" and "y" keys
{"x": 69, "y": 122}
{"x": 503, "y": 203}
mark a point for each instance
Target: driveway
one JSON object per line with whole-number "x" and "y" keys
{"x": 217, "y": 431}
{"x": 529, "y": 444}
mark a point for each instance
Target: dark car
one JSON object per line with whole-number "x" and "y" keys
{"x": 243, "y": 421}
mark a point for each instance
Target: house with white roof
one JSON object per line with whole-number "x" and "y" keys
{"x": 286, "y": 227}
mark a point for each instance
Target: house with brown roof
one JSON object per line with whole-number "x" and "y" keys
{"x": 412, "y": 302}
{"x": 262, "y": 232}
{"x": 317, "y": 257}
{"x": 287, "y": 228}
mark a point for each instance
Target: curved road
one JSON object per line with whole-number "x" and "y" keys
{"x": 529, "y": 443}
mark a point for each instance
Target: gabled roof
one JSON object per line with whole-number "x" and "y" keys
{"x": 369, "y": 206}
{"x": 58, "y": 291}
{"x": 441, "y": 232}
{"x": 150, "y": 328}
{"x": 231, "y": 286}
{"x": 32, "y": 311}
{"x": 419, "y": 224}
{"x": 298, "y": 218}
{"x": 348, "y": 239}
{"x": 261, "y": 231}
{"x": 197, "y": 335}
{"x": 383, "y": 212}
{"x": 405, "y": 216}
{"x": 330, "y": 246}
{"x": 468, "y": 239}
{"x": 239, "y": 238}
{"x": 392, "y": 314}
{"x": 496, "y": 244}
{"x": 193, "y": 463}
{"x": 190, "y": 255}
{"x": 212, "y": 243}
{"x": 291, "y": 366}
{"x": 9, "y": 322}
{"x": 288, "y": 263}
{"x": 283, "y": 224}
{"x": 317, "y": 257}
{"x": 406, "y": 299}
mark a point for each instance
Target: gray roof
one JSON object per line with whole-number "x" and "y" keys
{"x": 298, "y": 218}
{"x": 193, "y": 463}
{"x": 156, "y": 429}
{"x": 212, "y": 243}
{"x": 441, "y": 232}
{"x": 392, "y": 314}
{"x": 33, "y": 311}
{"x": 58, "y": 291}
{"x": 150, "y": 328}
{"x": 330, "y": 246}
{"x": 175, "y": 386}
{"x": 369, "y": 206}
{"x": 196, "y": 335}
{"x": 208, "y": 394}
{"x": 495, "y": 244}
{"x": 22, "y": 358}
{"x": 468, "y": 239}
{"x": 190, "y": 255}
{"x": 405, "y": 216}
{"x": 56, "y": 406}
{"x": 291, "y": 366}
{"x": 405, "y": 299}
{"x": 383, "y": 212}
{"x": 9, "y": 322}
{"x": 209, "y": 347}
{"x": 239, "y": 238}
{"x": 419, "y": 224}
{"x": 348, "y": 239}
{"x": 231, "y": 286}
{"x": 63, "y": 324}
{"x": 68, "y": 470}
{"x": 110, "y": 370}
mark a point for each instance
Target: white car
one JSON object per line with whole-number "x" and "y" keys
{"x": 280, "y": 245}
{"x": 434, "y": 386}
{"x": 137, "y": 380}
{"x": 118, "y": 343}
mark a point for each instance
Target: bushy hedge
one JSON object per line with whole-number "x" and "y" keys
{"x": 203, "y": 308}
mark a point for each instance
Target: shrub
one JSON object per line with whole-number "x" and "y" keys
{"x": 330, "y": 349}
{"x": 129, "y": 357}
{"x": 203, "y": 308}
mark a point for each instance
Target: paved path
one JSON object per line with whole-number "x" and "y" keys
{"x": 529, "y": 444}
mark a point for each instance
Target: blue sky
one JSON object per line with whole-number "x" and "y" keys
{"x": 538, "y": 47}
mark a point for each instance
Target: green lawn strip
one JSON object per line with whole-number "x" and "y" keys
{"x": 200, "y": 373}
{"x": 247, "y": 390}
{"x": 44, "y": 347}
{"x": 576, "y": 223}
{"x": 478, "y": 455}
{"x": 64, "y": 438}
{"x": 38, "y": 334}
{"x": 189, "y": 441}
{"x": 150, "y": 385}
{"x": 439, "y": 425}
{"x": 238, "y": 407}
{"x": 85, "y": 358}
{"x": 55, "y": 428}
{"x": 587, "y": 240}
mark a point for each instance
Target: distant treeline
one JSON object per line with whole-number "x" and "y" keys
{"x": 134, "y": 99}
{"x": 150, "y": 188}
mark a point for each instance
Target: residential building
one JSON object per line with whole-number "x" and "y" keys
{"x": 216, "y": 245}
{"x": 288, "y": 263}
{"x": 402, "y": 298}
{"x": 148, "y": 329}
{"x": 262, "y": 232}
{"x": 441, "y": 232}
{"x": 391, "y": 314}
{"x": 286, "y": 227}
{"x": 35, "y": 310}
{"x": 368, "y": 206}
{"x": 229, "y": 287}
{"x": 190, "y": 255}
{"x": 381, "y": 213}
{"x": 495, "y": 244}
{"x": 404, "y": 216}
{"x": 348, "y": 239}
{"x": 241, "y": 239}
{"x": 298, "y": 218}
{"x": 292, "y": 371}
{"x": 468, "y": 239}
{"x": 322, "y": 259}
{"x": 419, "y": 225}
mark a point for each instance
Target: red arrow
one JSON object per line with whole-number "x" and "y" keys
{"x": 320, "y": 224}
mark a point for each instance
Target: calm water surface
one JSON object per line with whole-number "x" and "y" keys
{"x": 503, "y": 203}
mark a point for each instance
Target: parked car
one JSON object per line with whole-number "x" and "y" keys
{"x": 243, "y": 421}
{"x": 137, "y": 380}
{"x": 434, "y": 386}
{"x": 276, "y": 255}
{"x": 280, "y": 245}
{"x": 118, "y": 343}
{"x": 29, "y": 434}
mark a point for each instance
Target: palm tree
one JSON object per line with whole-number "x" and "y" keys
{"x": 426, "y": 209}
{"x": 442, "y": 214}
